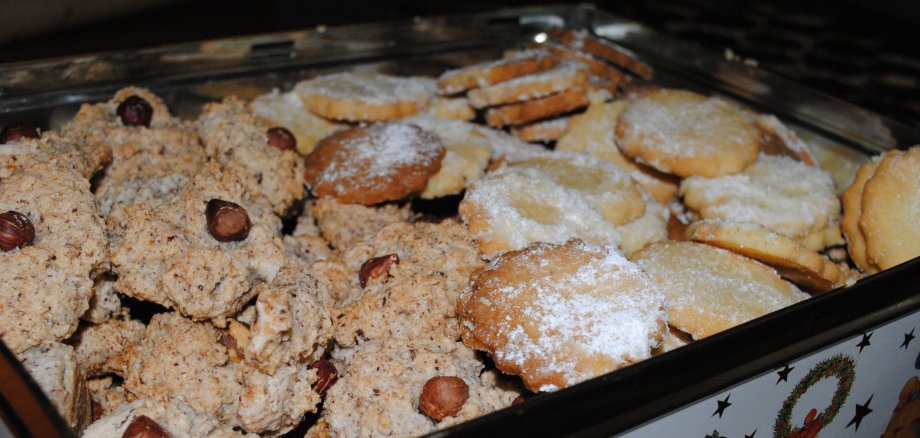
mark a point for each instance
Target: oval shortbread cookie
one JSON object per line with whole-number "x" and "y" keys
{"x": 560, "y": 314}
{"x": 365, "y": 97}
{"x": 710, "y": 289}
{"x": 684, "y": 133}
{"x": 551, "y": 199}
{"x": 891, "y": 208}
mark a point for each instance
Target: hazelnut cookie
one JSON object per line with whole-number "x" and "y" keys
{"x": 202, "y": 252}
{"x": 52, "y": 244}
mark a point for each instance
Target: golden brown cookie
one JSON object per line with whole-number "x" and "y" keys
{"x": 493, "y": 72}
{"x": 710, "y": 289}
{"x": 559, "y": 314}
{"x": 685, "y": 134}
{"x": 582, "y": 40}
{"x": 531, "y": 110}
{"x": 542, "y": 131}
{"x": 562, "y": 77}
{"x": 551, "y": 198}
{"x": 597, "y": 67}
{"x": 593, "y": 132}
{"x": 365, "y": 97}
{"x": 375, "y": 163}
{"x": 453, "y": 108}
{"x": 793, "y": 261}
{"x": 852, "y": 210}
{"x": 890, "y": 205}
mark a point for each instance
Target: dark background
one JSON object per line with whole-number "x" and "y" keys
{"x": 863, "y": 52}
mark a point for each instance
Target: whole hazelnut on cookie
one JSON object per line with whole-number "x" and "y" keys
{"x": 144, "y": 427}
{"x": 281, "y": 138}
{"x": 16, "y": 230}
{"x": 135, "y": 111}
{"x": 227, "y": 221}
{"x": 443, "y": 396}
{"x": 326, "y": 375}
{"x": 17, "y": 131}
{"x": 377, "y": 267}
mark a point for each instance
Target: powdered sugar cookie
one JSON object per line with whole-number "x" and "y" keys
{"x": 593, "y": 132}
{"x": 375, "y": 163}
{"x": 552, "y": 198}
{"x": 793, "y": 261}
{"x": 710, "y": 289}
{"x": 560, "y": 314}
{"x": 784, "y": 195}
{"x": 890, "y": 206}
{"x": 684, "y": 133}
{"x": 852, "y": 211}
{"x": 493, "y": 72}
{"x": 536, "y": 109}
{"x": 288, "y": 110}
{"x": 562, "y": 77}
{"x": 368, "y": 97}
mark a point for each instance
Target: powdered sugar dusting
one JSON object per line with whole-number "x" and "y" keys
{"x": 601, "y": 316}
{"x": 778, "y": 192}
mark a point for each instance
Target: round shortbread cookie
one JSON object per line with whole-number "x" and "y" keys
{"x": 375, "y": 163}
{"x": 562, "y": 77}
{"x": 288, "y": 110}
{"x": 593, "y": 132}
{"x": 710, "y": 289}
{"x": 793, "y": 261}
{"x": 493, "y": 72}
{"x": 560, "y": 314}
{"x": 537, "y": 109}
{"x": 551, "y": 198}
{"x": 684, "y": 133}
{"x": 365, "y": 97}
{"x": 778, "y": 192}
{"x": 852, "y": 210}
{"x": 891, "y": 208}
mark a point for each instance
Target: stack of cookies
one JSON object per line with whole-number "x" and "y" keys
{"x": 333, "y": 258}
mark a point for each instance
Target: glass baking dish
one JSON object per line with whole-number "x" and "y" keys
{"x": 47, "y": 93}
